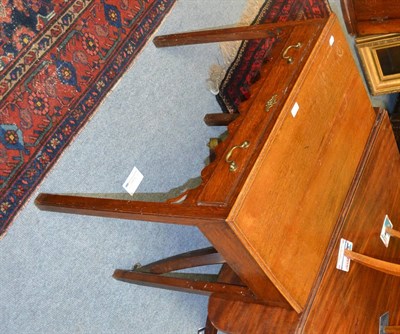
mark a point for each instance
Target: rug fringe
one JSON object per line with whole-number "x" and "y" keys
{"x": 228, "y": 50}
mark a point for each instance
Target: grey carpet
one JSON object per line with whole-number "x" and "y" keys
{"x": 55, "y": 269}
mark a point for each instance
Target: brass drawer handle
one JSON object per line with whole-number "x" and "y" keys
{"x": 232, "y": 164}
{"x": 290, "y": 59}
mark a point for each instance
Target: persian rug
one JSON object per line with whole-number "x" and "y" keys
{"x": 245, "y": 67}
{"x": 58, "y": 60}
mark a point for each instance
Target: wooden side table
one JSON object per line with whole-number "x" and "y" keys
{"x": 298, "y": 171}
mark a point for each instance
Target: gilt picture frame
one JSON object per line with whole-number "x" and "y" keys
{"x": 380, "y": 59}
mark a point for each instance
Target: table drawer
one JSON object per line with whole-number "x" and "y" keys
{"x": 237, "y": 154}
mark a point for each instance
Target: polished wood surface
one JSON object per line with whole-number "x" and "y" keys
{"x": 353, "y": 302}
{"x": 164, "y": 274}
{"x": 376, "y": 264}
{"x": 233, "y": 315}
{"x": 392, "y": 232}
{"x": 342, "y": 302}
{"x": 392, "y": 329}
{"x": 366, "y": 17}
{"x": 308, "y": 159}
{"x": 199, "y": 257}
{"x": 238, "y": 317}
{"x": 185, "y": 284}
{"x": 256, "y": 123}
{"x": 135, "y": 210}
{"x": 244, "y": 265}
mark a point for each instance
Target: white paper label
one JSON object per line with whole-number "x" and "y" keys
{"x": 385, "y": 237}
{"x": 295, "y": 109}
{"x": 133, "y": 181}
{"x": 331, "y": 40}
{"x": 343, "y": 262}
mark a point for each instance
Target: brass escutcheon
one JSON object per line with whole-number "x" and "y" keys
{"x": 271, "y": 102}
{"x": 232, "y": 164}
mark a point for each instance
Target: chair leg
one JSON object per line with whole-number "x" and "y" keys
{"x": 210, "y": 329}
{"x": 193, "y": 283}
{"x": 160, "y": 274}
{"x": 229, "y": 34}
{"x": 221, "y": 119}
{"x": 200, "y": 257}
{"x": 162, "y": 212}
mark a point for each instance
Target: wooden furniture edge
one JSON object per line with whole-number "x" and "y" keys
{"x": 349, "y": 16}
{"x": 235, "y": 253}
{"x": 345, "y": 209}
{"x": 236, "y": 206}
{"x": 256, "y": 31}
{"x": 223, "y": 148}
{"x": 135, "y": 210}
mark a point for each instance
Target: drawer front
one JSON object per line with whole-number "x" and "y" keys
{"x": 244, "y": 143}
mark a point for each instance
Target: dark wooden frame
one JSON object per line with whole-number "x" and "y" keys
{"x": 377, "y": 22}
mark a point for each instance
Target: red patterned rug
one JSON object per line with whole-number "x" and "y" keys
{"x": 244, "y": 70}
{"x": 58, "y": 60}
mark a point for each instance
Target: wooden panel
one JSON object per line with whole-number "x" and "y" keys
{"x": 294, "y": 194}
{"x": 241, "y": 262}
{"x": 378, "y": 27}
{"x": 222, "y": 184}
{"x": 352, "y": 302}
{"x": 367, "y": 10}
{"x": 238, "y": 316}
{"x": 346, "y": 302}
{"x": 366, "y": 17}
{"x": 234, "y": 316}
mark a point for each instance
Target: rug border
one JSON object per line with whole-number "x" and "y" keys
{"x": 22, "y": 202}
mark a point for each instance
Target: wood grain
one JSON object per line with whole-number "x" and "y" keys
{"x": 199, "y": 257}
{"x": 293, "y": 197}
{"x": 242, "y": 263}
{"x": 257, "y": 31}
{"x": 391, "y": 329}
{"x": 223, "y": 185}
{"x": 376, "y": 264}
{"x": 393, "y": 233}
{"x": 135, "y": 210}
{"x": 197, "y": 285}
{"x": 366, "y": 17}
{"x": 238, "y": 317}
{"x": 353, "y": 302}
